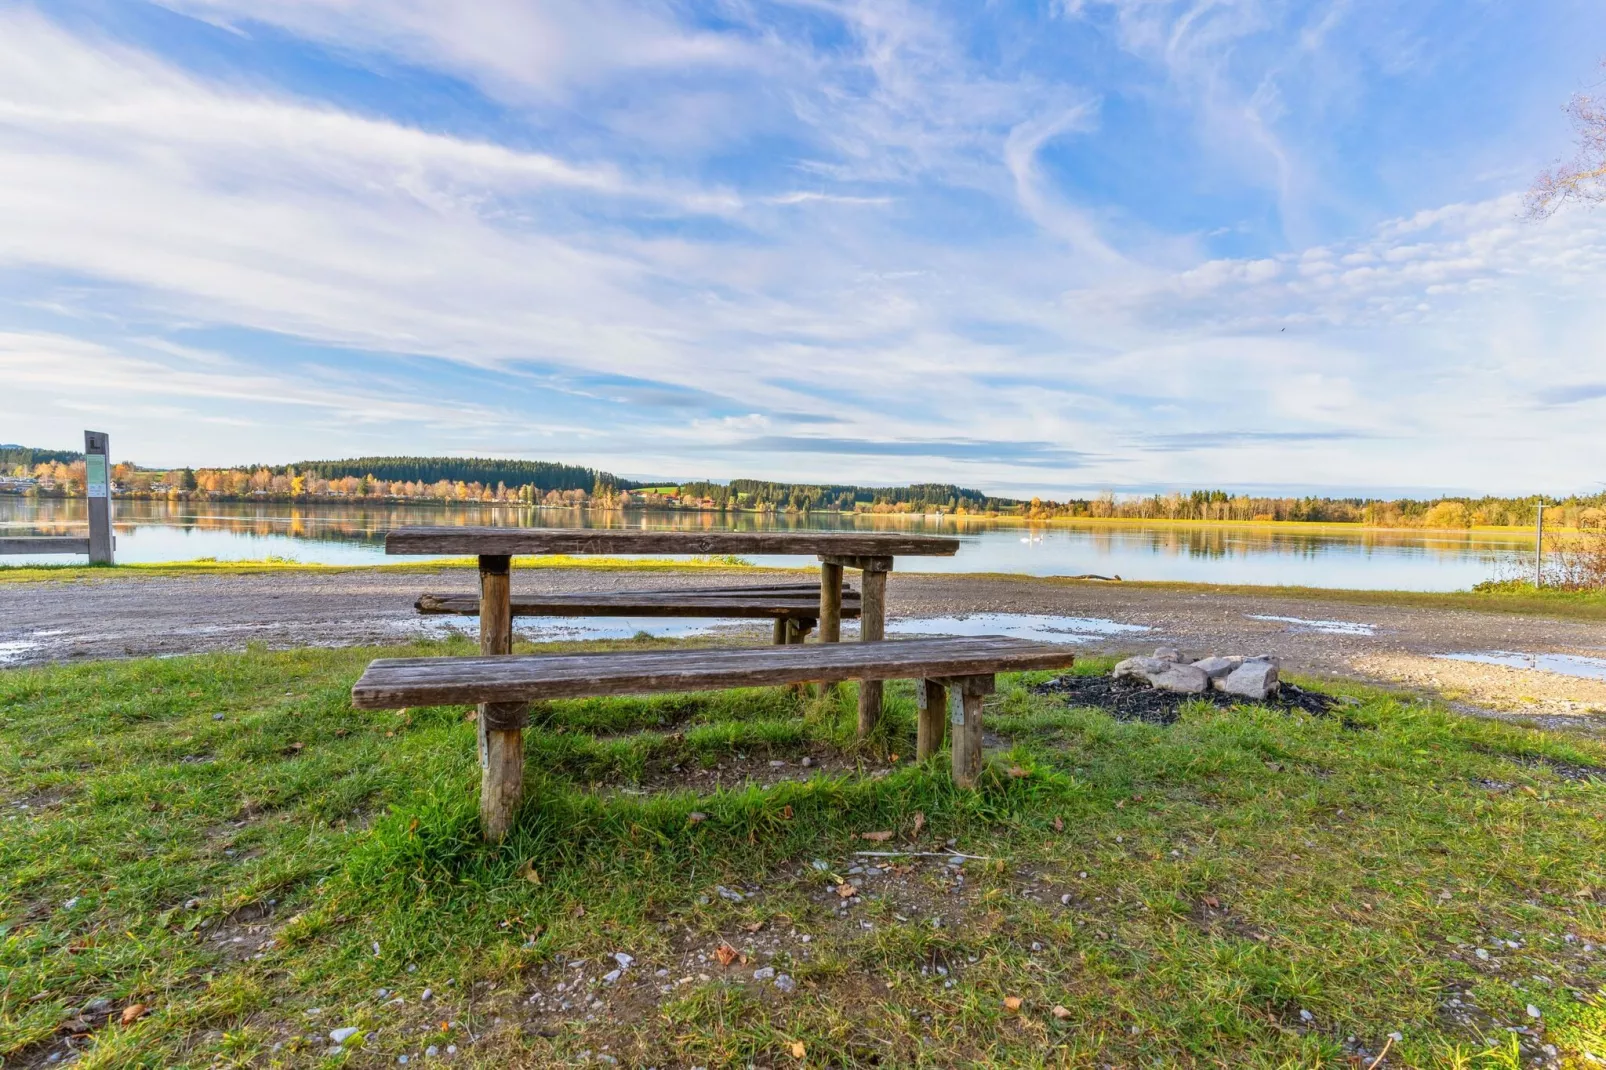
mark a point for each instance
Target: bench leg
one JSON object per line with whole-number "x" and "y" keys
{"x": 933, "y": 700}
{"x": 965, "y": 698}
{"x": 830, "y": 602}
{"x": 780, "y": 635}
{"x": 872, "y": 629}
{"x": 501, "y": 735}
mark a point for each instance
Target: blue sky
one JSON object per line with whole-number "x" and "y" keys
{"x": 1044, "y": 247}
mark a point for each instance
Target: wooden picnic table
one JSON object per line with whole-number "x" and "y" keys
{"x": 500, "y": 724}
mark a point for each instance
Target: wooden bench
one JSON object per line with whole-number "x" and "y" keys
{"x": 954, "y": 674}
{"x": 794, "y": 607}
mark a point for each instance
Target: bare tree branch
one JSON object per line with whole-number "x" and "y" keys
{"x": 1584, "y": 179}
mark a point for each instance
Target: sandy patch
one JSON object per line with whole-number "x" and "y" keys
{"x": 1496, "y": 686}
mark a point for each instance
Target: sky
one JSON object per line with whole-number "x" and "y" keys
{"x": 1042, "y": 247}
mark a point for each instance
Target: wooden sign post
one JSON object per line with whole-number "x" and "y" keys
{"x": 98, "y": 485}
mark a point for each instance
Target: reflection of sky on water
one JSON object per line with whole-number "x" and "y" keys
{"x": 1042, "y": 627}
{"x": 340, "y": 534}
{"x": 1331, "y": 627}
{"x": 1565, "y": 664}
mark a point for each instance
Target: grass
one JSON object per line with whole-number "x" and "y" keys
{"x": 256, "y": 880}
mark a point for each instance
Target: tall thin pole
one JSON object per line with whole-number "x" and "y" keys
{"x": 98, "y": 487}
{"x": 1539, "y": 548}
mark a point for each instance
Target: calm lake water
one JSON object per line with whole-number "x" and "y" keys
{"x": 354, "y": 534}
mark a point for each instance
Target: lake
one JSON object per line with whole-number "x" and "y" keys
{"x": 1361, "y": 558}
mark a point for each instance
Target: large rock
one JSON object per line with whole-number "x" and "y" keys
{"x": 1166, "y": 653}
{"x": 1187, "y": 679}
{"x": 1217, "y": 667}
{"x": 1253, "y": 680}
{"x": 1140, "y": 668}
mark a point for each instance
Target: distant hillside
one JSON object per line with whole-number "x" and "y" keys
{"x": 547, "y": 475}
{"x": 29, "y": 455}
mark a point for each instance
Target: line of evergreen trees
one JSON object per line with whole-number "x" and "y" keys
{"x": 12, "y": 456}
{"x": 548, "y": 475}
{"x": 804, "y": 497}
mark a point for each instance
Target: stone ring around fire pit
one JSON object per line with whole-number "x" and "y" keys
{"x": 1253, "y": 677}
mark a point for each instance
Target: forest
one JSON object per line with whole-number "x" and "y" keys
{"x": 59, "y": 473}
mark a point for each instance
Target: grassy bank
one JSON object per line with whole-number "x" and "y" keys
{"x": 222, "y": 842}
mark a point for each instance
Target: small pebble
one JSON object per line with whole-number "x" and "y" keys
{"x": 764, "y": 973}
{"x": 1533, "y": 1012}
{"x": 625, "y": 961}
{"x": 1065, "y": 900}
{"x": 785, "y": 983}
{"x": 217, "y": 717}
{"x": 431, "y": 1051}
{"x": 611, "y": 976}
{"x": 343, "y": 1034}
{"x": 69, "y": 904}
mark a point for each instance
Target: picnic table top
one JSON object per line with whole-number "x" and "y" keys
{"x": 508, "y": 541}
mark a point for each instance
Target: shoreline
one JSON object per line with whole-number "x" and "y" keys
{"x": 1523, "y": 601}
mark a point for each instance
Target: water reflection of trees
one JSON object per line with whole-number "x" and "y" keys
{"x": 366, "y": 523}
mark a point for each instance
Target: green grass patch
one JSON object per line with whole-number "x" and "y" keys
{"x": 224, "y": 840}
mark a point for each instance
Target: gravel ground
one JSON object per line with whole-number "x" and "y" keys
{"x": 125, "y": 616}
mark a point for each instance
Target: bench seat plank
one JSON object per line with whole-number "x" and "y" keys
{"x": 391, "y": 683}
{"x": 794, "y": 601}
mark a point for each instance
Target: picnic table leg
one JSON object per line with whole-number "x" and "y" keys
{"x": 501, "y": 734}
{"x": 872, "y": 629}
{"x": 933, "y": 698}
{"x": 830, "y": 602}
{"x": 965, "y": 697}
{"x": 780, "y": 633}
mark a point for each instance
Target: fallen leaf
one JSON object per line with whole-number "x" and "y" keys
{"x": 696, "y": 817}
{"x": 1012, "y": 1004}
{"x": 798, "y": 1050}
{"x": 389, "y": 734}
{"x": 846, "y": 890}
{"x": 1137, "y": 798}
{"x": 920, "y": 822}
{"x": 786, "y": 812}
{"x": 726, "y": 954}
{"x": 875, "y": 837}
{"x": 1120, "y": 804}
{"x": 1060, "y": 1012}
{"x": 753, "y": 926}
{"x": 893, "y": 758}
{"x": 133, "y": 1012}
{"x": 472, "y": 715}
{"x": 297, "y": 746}
{"x": 527, "y": 871}
{"x": 1059, "y": 824}
{"x": 579, "y": 910}
{"x": 1017, "y": 772}
{"x": 1212, "y": 902}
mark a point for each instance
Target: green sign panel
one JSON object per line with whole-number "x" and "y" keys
{"x": 95, "y": 465}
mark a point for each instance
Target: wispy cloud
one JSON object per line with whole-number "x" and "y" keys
{"x": 818, "y": 239}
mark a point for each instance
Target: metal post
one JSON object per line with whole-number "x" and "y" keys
{"x": 98, "y": 487}
{"x": 1539, "y": 548}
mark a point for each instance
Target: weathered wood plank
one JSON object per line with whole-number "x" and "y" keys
{"x": 830, "y": 603}
{"x": 866, "y": 563}
{"x": 391, "y": 683}
{"x": 932, "y": 699}
{"x": 738, "y": 602}
{"x": 965, "y": 699}
{"x": 44, "y": 544}
{"x": 466, "y": 540}
{"x": 872, "y": 629}
{"x": 501, "y": 748}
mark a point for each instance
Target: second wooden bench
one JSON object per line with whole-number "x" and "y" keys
{"x": 794, "y": 607}
{"x": 955, "y": 675}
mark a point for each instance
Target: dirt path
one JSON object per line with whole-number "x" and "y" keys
{"x": 128, "y": 616}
